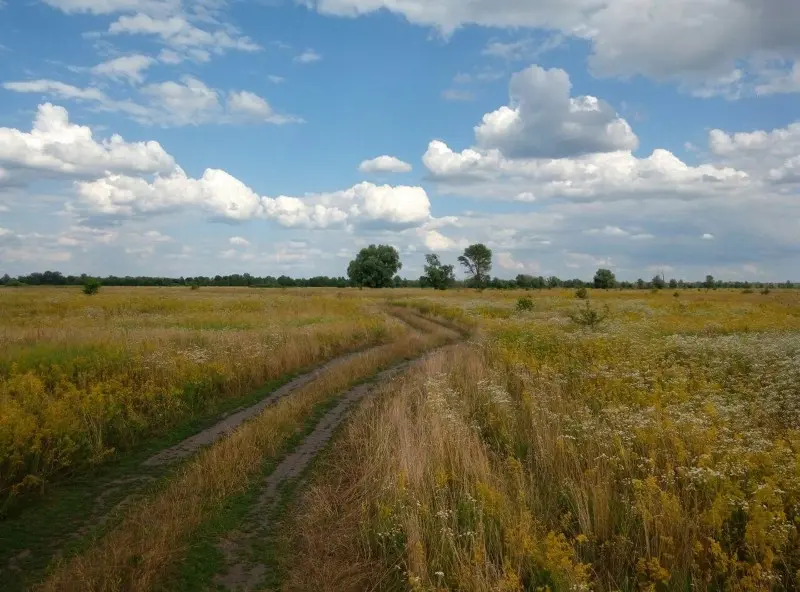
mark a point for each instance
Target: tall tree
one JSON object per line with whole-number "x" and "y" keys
{"x": 437, "y": 276}
{"x": 709, "y": 283}
{"x": 477, "y": 262}
{"x": 375, "y": 267}
{"x": 604, "y": 279}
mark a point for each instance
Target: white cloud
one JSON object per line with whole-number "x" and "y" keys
{"x": 178, "y": 32}
{"x": 238, "y": 241}
{"x": 522, "y": 49}
{"x": 130, "y": 67}
{"x": 384, "y": 164}
{"x": 113, "y": 6}
{"x": 780, "y": 81}
{"x": 612, "y": 175}
{"x": 57, "y": 147}
{"x": 544, "y": 121}
{"x": 219, "y": 194}
{"x": 771, "y": 155}
{"x": 188, "y": 101}
{"x": 705, "y": 37}
{"x": 254, "y": 108}
{"x": 276, "y": 79}
{"x": 708, "y": 236}
{"x": 309, "y": 56}
{"x": 609, "y": 231}
{"x": 507, "y": 261}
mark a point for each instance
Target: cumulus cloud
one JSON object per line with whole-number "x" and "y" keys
{"x": 130, "y": 67}
{"x": 612, "y": 175}
{"x": 223, "y": 196}
{"x": 769, "y": 154}
{"x": 114, "y": 6}
{"x": 384, "y": 164}
{"x": 57, "y": 147}
{"x": 238, "y": 241}
{"x": 506, "y": 261}
{"x": 627, "y": 37}
{"x": 254, "y": 108}
{"x": 544, "y": 121}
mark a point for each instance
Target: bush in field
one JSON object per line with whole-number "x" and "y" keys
{"x": 676, "y": 294}
{"x": 604, "y": 279}
{"x": 589, "y": 316}
{"x": 194, "y": 286}
{"x": 524, "y": 304}
{"x": 582, "y": 293}
{"x": 91, "y": 287}
{"x": 765, "y": 291}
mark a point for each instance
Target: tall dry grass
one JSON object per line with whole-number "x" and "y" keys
{"x": 82, "y": 378}
{"x": 660, "y": 453}
{"x": 139, "y": 553}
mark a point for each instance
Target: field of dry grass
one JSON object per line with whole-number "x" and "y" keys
{"x": 659, "y": 451}
{"x": 83, "y": 377}
{"x": 655, "y": 446}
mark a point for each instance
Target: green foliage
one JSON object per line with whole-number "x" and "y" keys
{"x": 747, "y": 291}
{"x": 709, "y": 283}
{"x": 582, "y": 293}
{"x": 91, "y": 286}
{"x": 194, "y": 286}
{"x": 375, "y": 267}
{"x": 604, "y": 279}
{"x": 477, "y": 262}
{"x": 765, "y": 290}
{"x": 524, "y": 304}
{"x": 437, "y": 276}
{"x": 676, "y": 294}
{"x": 589, "y": 316}
{"x": 658, "y": 282}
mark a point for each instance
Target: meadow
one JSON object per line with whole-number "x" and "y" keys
{"x": 659, "y": 451}
{"x": 83, "y": 378}
{"x": 524, "y": 447}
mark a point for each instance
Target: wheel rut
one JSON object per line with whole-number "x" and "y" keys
{"x": 243, "y": 571}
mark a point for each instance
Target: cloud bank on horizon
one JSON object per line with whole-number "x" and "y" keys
{"x": 186, "y": 137}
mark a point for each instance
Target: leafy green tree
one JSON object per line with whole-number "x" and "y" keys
{"x": 437, "y": 276}
{"x": 553, "y": 282}
{"x": 640, "y": 284}
{"x": 709, "y": 284}
{"x": 673, "y": 283}
{"x": 604, "y": 279}
{"x": 658, "y": 282}
{"x": 477, "y": 262}
{"x": 375, "y": 267}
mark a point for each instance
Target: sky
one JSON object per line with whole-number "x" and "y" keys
{"x": 204, "y": 137}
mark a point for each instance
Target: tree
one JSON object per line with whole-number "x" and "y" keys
{"x": 604, "y": 279}
{"x": 437, "y": 276}
{"x": 477, "y": 262}
{"x": 91, "y": 286}
{"x": 658, "y": 282}
{"x": 553, "y": 282}
{"x": 375, "y": 267}
{"x": 709, "y": 283}
{"x": 673, "y": 283}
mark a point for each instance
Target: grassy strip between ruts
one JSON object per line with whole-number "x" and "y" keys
{"x": 152, "y": 538}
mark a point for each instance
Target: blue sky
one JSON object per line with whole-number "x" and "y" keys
{"x": 187, "y": 137}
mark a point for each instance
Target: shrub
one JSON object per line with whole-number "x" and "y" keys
{"x": 195, "y": 286}
{"x": 676, "y": 294}
{"x": 766, "y": 291}
{"x": 91, "y": 286}
{"x": 589, "y": 317}
{"x": 581, "y": 293}
{"x": 524, "y": 304}
{"x": 747, "y": 291}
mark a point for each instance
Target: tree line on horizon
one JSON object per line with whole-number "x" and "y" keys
{"x": 377, "y": 266}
